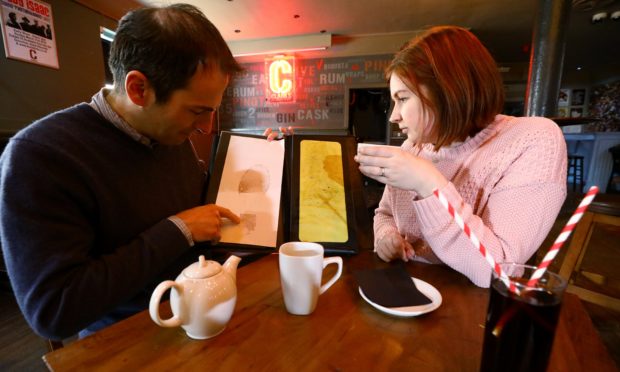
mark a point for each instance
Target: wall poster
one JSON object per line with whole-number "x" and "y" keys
{"x": 319, "y": 93}
{"x": 28, "y": 32}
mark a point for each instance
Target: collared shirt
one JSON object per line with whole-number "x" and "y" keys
{"x": 101, "y": 105}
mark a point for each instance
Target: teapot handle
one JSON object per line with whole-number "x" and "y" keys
{"x": 175, "y": 321}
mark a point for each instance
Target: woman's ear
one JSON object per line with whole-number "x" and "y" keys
{"x": 137, "y": 88}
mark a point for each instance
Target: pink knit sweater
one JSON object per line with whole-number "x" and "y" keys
{"x": 508, "y": 183}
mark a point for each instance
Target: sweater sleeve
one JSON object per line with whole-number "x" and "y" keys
{"x": 62, "y": 279}
{"x": 511, "y": 234}
{"x": 384, "y": 223}
{"x": 517, "y": 216}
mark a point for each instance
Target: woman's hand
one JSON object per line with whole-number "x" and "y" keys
{"x": 279, "y": 134}
{"x": 397, "y": 168}
{"x": 393, "y": 246}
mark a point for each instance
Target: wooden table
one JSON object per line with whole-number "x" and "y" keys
{"x": 344, "y": 333}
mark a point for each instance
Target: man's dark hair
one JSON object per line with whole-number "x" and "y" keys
{"x": 167, "y": 45}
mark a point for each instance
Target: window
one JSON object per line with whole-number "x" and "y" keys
{"x": 107, "y": 36}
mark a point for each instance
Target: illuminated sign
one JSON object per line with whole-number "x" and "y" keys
{"x": 281, "y": 81}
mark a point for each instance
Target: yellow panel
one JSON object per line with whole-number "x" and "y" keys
{"x": 322, "y": 206}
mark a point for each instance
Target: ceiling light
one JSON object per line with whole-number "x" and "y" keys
{"x": 288, "y": 44}
{"x": 106, "y": 34}
{"x": 278, "y": 51}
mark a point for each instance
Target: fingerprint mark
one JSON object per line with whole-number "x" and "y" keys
{"x": 254, "y": 179}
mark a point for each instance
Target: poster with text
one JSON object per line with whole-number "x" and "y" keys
{"x": 28, "y": 31}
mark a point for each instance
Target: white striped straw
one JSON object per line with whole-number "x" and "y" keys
{"x": 474, "y": 239}
{"x": 564, "y": 234}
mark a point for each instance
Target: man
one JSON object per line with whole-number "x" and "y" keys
{"x": 25, "y": 24}
{"x": 12, "y": 21}
{"x": 101, "y": 201}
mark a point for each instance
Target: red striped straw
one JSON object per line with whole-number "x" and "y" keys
{"x": 474, "y": 239}
{"x": 564, "y": 234}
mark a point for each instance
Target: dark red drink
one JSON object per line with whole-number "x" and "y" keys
{"x": 520, "y": 328}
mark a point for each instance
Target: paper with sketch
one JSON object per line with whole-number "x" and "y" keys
{"x": 250, "y": 187}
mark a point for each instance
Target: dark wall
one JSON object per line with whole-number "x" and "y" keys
{"x": 28, "y": 91}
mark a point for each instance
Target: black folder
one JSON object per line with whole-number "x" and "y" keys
{"x": 358, "y": 234}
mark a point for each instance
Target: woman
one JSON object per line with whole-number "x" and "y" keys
{"x": 506, "y": 176}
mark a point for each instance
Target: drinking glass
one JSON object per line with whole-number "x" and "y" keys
{"x": 520, "y": 325}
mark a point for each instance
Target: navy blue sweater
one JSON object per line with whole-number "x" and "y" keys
{"x": 83, "y": 219}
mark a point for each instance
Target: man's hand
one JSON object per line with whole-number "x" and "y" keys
{"x": 205, "y": 222}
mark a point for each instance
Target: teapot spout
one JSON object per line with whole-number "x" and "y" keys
{"x": 230, "y": 266}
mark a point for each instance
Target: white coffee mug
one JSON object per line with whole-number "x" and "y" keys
{"x": 301, "y": 270}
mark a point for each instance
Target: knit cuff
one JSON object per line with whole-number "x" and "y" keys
{"x": 431, "y": 214}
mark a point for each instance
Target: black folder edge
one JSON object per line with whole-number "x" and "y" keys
{"x": 358, "y": 220}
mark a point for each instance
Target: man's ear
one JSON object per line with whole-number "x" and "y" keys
{"x": 137, "y": 87}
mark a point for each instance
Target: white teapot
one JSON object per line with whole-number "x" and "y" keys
{"x": 202, "y": 298}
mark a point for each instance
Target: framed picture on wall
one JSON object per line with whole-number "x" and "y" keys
{"x": 28, "y": 32}
{"x": 576, "y": 112}
{"x": 563, "y": 112}
{"x": 563, "y": 97}
{"x": 578, "y": 97}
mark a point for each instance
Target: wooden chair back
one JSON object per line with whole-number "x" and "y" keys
{"x": 591, "y": 269}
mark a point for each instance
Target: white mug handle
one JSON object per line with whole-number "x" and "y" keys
{"x": 327, "y": 261}
{"x": 175, "y": 321}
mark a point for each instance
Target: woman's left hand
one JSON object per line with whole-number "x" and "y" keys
{"x": 397, "y": 168}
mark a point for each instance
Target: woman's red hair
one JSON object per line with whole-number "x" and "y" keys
{"x": 464, "y": 88}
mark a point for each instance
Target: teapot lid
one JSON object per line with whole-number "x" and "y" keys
{"x": 202, "y": 269}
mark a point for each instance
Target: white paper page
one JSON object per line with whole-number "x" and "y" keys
{"x": 250, "y": 187}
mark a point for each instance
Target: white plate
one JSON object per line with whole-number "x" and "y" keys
{"x": 428, "y": 290}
